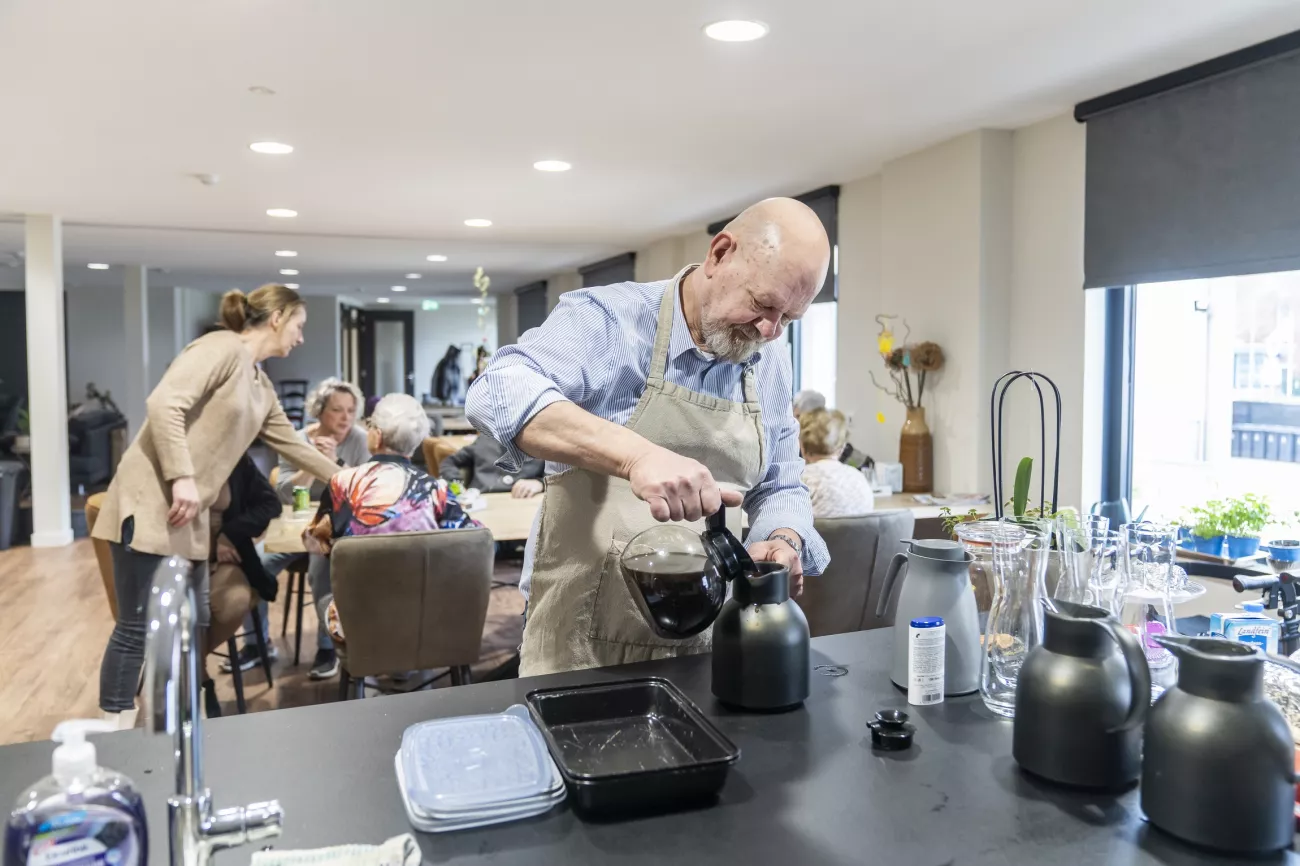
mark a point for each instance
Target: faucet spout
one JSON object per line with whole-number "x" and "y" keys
{"x": 173, "y": 653}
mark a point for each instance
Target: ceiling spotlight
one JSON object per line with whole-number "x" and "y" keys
{"x": 478, "y": 223}
{"x": 259, "y": 90}
{"x": 412, "y": 276}
{"x": 552, "y": 165}
{"x": 382, "y": 300}
{"x": 291, "y": 285}
{"x": 282, "y": 212}
{"x": 97, "y": 266}
{"x": 399, "y": 288}
{"x": 288, "y": 254}
{"x": 273, "y": 148}
{"x": 736, "y": 31}
{"x": 288, "y": 272}
{"x": 436, "y": 258}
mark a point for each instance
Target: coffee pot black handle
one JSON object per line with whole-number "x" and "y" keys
{"x": 1139, "y": 675}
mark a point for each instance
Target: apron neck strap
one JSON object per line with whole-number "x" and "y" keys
{"x": 664, "y": 330}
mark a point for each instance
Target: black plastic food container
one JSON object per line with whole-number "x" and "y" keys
{"x": 632, "y": 746}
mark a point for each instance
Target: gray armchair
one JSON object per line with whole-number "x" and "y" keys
{"x": 843, "y": 599}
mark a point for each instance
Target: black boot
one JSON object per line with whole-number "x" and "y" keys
{"x": 211, "y": 706}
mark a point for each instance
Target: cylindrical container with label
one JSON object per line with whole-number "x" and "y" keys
{"x": 925, "y": 638}
{"x": 302, "y": 499}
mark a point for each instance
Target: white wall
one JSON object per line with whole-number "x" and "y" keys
{"x": 96, "y": 344}
{"x": 859, "y": 303}
{"x": 559, "y": 284}
{"x": 318, "y": 356}
{"x": 507, "y": 319}
{"x": 451, "y": 323}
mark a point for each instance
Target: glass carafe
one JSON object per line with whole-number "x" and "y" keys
{"x": 1089, "y": 566}
{"x": 1147, "y": 553}
{"x": 1015, "y": 623}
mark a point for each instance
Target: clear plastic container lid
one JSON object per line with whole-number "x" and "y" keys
{"x": 469, "y": 762}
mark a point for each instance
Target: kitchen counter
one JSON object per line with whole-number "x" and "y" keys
{"x": 808, "y": 788}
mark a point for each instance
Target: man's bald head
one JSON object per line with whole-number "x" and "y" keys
{"x": 763, "y": 270}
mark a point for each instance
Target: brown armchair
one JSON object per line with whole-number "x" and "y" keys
{"x": 843, "y": 598}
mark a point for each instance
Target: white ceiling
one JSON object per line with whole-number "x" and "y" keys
{"x": 410, "y": 116}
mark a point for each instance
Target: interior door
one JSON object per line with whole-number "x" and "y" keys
{"x": 387, "y": 343}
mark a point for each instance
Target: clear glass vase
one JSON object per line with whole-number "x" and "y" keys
{"x": 1090, "y": 565}
{"x": 1015, "y": 623}
{"x": 1147, "y": 554}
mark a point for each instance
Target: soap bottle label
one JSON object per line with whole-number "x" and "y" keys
{"x": 83, "y": 838}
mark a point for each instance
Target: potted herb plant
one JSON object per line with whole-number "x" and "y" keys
{"x": 1206, "y": 526}
{"x": 1244, "y": 518}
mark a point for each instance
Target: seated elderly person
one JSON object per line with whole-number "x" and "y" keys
{"x": 836, "y": 489}
{"x": 475, "y": 465}
{"x": 386, "y": 494}
{"x": 812, "y": 401}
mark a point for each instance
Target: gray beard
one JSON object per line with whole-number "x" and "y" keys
{"x": 730, "y": 344}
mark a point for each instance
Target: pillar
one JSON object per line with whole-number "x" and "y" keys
{"x": 47, "y": 383}
{"x": 135, "y": 301}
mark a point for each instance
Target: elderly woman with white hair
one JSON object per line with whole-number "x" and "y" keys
{"x": 387, "y": 494}
{"x": 335, "y": 434}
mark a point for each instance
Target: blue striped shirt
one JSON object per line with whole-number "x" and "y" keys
{"x": 594, "y": 350}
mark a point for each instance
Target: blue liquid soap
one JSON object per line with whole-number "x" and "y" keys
{"x": 80, "y": 815}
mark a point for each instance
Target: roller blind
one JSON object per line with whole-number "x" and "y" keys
{"x": 1196, "y": 174}
{"x": 531, "y": 303}
{"x": 825, "y": 202}
{"x": 616, "y": 269}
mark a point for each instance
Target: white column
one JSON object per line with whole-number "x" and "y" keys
{"x": 135, "y": 308}
{"x": 47, "y": 383}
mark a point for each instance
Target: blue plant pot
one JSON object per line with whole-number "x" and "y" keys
{"x": 1212, "y": 546}
{"x": 1283, "y": 550}
{"x": 1239, "y": 547}
{"x": 1185, "y": 539}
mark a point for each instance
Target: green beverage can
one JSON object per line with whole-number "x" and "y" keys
{"x": 301, "y": 499}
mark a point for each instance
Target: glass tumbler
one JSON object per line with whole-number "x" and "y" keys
{"x": 1147, "y": 553}
{"x": 1015, "y": 623}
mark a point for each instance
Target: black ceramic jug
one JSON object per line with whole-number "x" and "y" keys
{"x": 1081, "y": 699}
{"x": 760, "y": 643}
{"x": 1218, "y": 766}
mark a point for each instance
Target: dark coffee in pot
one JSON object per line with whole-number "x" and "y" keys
{"x": 681, "y": 592}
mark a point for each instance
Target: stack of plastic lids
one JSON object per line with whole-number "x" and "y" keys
{"x": 472, "y": 771}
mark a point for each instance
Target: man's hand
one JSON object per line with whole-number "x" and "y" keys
{"x": 676, "y": 487}
{"x": 776, "y": 550}
{"x": 185, "y": 501}
{"x": 226, "y": 551}
{"x": 327, "y": 446}
{"x": 526, "y": 488}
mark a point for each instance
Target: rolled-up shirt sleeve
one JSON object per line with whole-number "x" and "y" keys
{"x": 565, "y": 359}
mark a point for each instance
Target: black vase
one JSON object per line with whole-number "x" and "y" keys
{"x": 1081, "y": 699}
{"x": 760, "y": 644}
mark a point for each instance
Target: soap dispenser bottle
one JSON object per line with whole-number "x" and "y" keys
{"x": 81, "y": 813}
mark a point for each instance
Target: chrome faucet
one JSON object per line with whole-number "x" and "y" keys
{"x": 172, "y": 680}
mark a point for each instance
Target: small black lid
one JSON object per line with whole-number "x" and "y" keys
{"x": 890, "y": 731}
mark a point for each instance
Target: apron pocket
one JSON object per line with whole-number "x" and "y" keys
{"x": 617, "y": 616}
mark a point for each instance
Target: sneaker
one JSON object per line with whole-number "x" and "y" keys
{"x": 325, "y": 665}
{"x": 211, "y": 706}
{"x": 248, "y": 658}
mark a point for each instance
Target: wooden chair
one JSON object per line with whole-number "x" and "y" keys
{"x": 411, "y": 601}
{"x": 439, "y": 448}
{"x": 844, "y": 597}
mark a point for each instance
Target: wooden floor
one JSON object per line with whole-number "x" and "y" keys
{"x": 55, "y": 621}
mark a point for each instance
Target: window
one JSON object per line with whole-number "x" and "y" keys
{"x": 816, "y": 348}
{"x": 1216, "y": 392}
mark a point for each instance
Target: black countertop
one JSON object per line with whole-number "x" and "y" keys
{"x": 808, "y": 788}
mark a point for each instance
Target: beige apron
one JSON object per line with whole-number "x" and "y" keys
{"x": 580, "y": 613}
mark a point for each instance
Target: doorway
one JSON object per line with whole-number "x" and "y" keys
{"x": 387, "y": 343}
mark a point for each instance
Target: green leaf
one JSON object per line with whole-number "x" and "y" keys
{"x": 1020, "y": 493}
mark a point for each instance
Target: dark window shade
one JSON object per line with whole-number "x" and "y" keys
{"x": 1198, "y": 181}
{"x": 825, "y": 202}
{"x": 616, "y": 269}
{"x": 531, "y": 304}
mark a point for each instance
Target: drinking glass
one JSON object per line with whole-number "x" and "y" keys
{"x": 1106, "y": 582}
{"x": 1015, "y": 624}
{"x": 1089, "y": 565}
{"x": 1147, "y": 553}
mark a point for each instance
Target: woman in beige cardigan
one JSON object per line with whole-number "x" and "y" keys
{"x": 212, "y": 402}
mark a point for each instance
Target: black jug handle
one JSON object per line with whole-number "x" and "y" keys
{"x": 1139, "y": 675}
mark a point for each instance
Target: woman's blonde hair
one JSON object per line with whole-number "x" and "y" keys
{"x": 320, "y": 398}
{"x": 823, "y": 432}
{"x": 240, "y": 311}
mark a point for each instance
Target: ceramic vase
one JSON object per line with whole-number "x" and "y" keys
{"x": 916, "y": 453}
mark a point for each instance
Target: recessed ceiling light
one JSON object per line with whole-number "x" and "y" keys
{"x": 97, "y": 266}
{"x": 288, "y": 254}
{"x": 275, "y": 148}
{"x": 736, "y": 31}
{"x": 291, "y": 285}
{"x": 382, "y": 300}
{"x": 412, "y": 276}
{"x": 399, "y": 288}
{"x": 259, "y": 90}
{"x": 283, "y": 212}
{"x": 478, "y": 223}
{"x": 436, "y": 258}
{"x": 552, "y": 165}
{"x": 288, "y": 272}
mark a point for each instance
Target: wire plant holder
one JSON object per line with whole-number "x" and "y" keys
{"x": 996, "y": 402}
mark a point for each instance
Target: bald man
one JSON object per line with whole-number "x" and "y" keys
{"x": 657, "y": 402}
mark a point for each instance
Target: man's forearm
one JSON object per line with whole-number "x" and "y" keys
{"x": 565, "y": 433}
